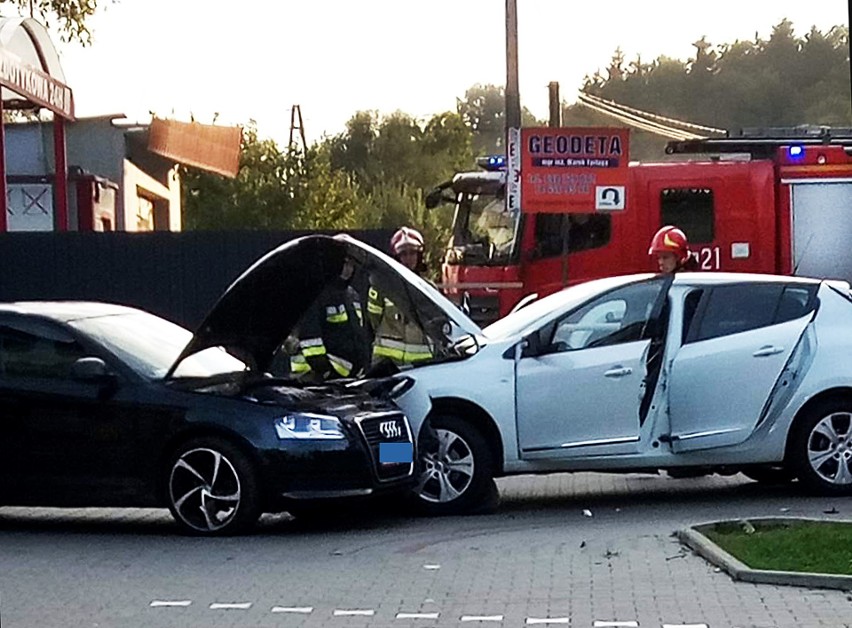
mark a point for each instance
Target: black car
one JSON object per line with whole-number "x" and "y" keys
{"x": 104, "y": 405}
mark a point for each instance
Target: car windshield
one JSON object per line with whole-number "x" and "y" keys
{"x": 483, "y": 231}
{"x": 567, "y": 299}
{"x": 149, "y": 345}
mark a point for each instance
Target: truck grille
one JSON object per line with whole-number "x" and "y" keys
{"x": 386, "y": 427}
{"x": 484, "y": 309}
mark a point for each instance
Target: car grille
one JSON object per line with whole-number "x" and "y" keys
{"x": 386, "y": 427}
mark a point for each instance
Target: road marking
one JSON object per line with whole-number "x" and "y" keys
{"x": 417, "y": 615}
{"x": 432, "y": 567}
{"x": 293, "y": 609}
{"x": 354, "y": 612}
{"x": 238, "y": 606}
{"x": 170, "y": 603}
{"x": 616, "y": 624}
{"x": 684, "y": 625}
{"x": 548, "y": 620}
{"x": 482, "y": 618}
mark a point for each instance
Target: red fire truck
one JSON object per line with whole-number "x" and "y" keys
{"x": 769, "y": 201}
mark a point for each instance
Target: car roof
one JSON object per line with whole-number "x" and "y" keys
{"x": 710, "y": 278}
{"x": 65, "y": 311}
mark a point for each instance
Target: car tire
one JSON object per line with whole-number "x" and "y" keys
{"x": 821, "y": 448}
{"x": 770, "y": 475}
{"x": 212, "y": 488}
{"x": 455, "y": 470}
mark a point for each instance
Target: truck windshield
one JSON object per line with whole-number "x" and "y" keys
{"x": 483, "y": 231}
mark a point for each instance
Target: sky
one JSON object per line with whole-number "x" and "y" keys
{"x": 255, "y": 59}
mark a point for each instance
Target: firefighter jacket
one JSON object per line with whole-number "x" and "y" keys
{"x": 332, "y": 335}
{"x": 397, "y": 336}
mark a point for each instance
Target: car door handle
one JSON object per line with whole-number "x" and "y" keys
{"x": 768, "y": 350}
{"x": 618, "y": 371}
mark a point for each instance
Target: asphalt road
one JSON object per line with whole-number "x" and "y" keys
{"x": 540, "y": 560}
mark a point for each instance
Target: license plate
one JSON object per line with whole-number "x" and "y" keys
{"x": 395, "y": 453}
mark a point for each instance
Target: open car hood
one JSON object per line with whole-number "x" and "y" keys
{"x": 254, "y": 316}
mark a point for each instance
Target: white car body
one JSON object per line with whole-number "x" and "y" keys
{"x": 726, "y": 401}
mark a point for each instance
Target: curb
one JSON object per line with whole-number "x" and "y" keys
{"x": 738, "y": 570}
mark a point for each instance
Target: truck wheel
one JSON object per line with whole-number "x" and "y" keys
{"x": 821, "y": 448}
{"x": 455, "y": 469}
{"x": 212, "y": 488}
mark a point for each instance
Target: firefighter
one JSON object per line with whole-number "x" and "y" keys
{"x": 333, "y": 337}
{"x": 671, "y": 248}
{"x": 397, "y": 337}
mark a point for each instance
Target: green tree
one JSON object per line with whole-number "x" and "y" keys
{"x": 483, "y": 110}
{"x": 262, "y": 196}
{"x": 72, "y": 16}
{"x": 784, "y": 80}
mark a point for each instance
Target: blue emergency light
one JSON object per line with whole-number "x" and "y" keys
{"x": 796, "y": 152}
{"x": 492, "y": 163}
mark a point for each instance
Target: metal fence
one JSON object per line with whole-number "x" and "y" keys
{"x": 177, "y": 276}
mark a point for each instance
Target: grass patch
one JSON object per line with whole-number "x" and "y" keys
{"x": 817, "y": 547}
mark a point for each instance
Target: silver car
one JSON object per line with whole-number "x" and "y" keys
{"x": 692, "y": 373}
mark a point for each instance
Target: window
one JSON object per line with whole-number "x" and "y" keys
{"x": 622, "y": 315}
{"x": 735, "y": 309}
{"x": 584, "y": 232}
{"x": 691, "y": 210}
{"x": 690, "y": 306}
{"x": 37, "y": 351}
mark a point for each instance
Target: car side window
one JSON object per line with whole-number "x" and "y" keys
{"x": 617, "y": 317}
{"x": 690, "y": 306}
{"x": 736, "y": 309}
{"x": 36, "y": 351}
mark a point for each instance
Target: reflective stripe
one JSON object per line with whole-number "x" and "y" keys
{"x": 374, "y": 308}
{"x": 404, "y": 346}
{"x": 298, "y": 364}
{"x": 310, "y": 342}
{"x": 401, "y": 351}
{"x": 337, "y": 318}
{"x": 313, "y": 351}
{"x": 343, "y": 367}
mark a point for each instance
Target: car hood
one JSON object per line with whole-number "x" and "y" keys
{"x": 254, "y": 316}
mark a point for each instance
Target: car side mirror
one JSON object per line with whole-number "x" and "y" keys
{"x": 91, "y": 370}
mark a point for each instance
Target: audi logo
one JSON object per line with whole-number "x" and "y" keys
{"x": 390, "y": 429}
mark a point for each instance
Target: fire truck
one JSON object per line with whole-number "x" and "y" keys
{"x": 761, "y": 200}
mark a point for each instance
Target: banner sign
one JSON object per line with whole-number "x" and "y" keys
{"x": 513, "y": 170}
{"x": 36, "y": 86}
{"x": 574, "y": 169}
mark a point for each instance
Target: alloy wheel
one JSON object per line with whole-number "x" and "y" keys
{"x": 447, "y": 467}
{"x": 830, "y": 449}
{"x": 204, "y": 488}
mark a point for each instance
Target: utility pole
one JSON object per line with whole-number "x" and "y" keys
{"x": 296, "y": 124}
{"x": 556, "y": 106}
{"x": 513, "y": 98}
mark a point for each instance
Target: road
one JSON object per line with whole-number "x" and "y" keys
{"x": 540, "y": 560}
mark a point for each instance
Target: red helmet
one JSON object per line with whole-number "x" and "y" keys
{"x": 670, "y": 239}
{"x": 406, "y": 238}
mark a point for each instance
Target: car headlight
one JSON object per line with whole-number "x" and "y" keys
{"x": 309, "y": 426}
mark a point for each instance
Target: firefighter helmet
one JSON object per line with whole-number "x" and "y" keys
{"x": 406, "y": 238}
{"x": 670, "y": 239}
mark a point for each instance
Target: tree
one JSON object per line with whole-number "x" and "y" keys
{"x": 72, "y": 15}
{"x": 782, "y": 81}
{"x": 262, "y": 196}
{"x": 483, "y": 110}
